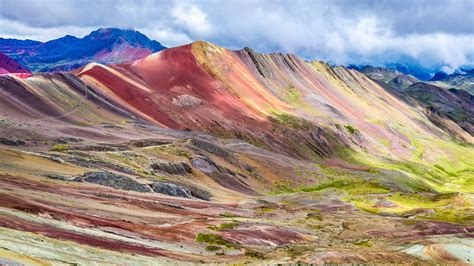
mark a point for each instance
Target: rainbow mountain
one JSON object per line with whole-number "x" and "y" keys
{"x": 202, "y": 154}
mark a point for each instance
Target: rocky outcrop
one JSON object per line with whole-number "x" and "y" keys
{"x": 148, "y": 142}
{"x": 57, "y": 177}
{"x": 65, "y": 140}
{"x": 178, "y": 168}
{"x": 10, "y": 142}
{"x": 211, "y": 148}
{"x": 113, "y": 180}
{"x": 95, "y": 163}
{"x": 222, "y": 175}
{"x": 171, "y": 189}
{"x": 204, "y": 165}
{"x": 186, "y": 101}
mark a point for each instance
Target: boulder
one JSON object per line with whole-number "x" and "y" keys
{"x": 171, "y": 189}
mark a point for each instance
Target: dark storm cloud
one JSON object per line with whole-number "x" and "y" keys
{"x": 343, "y": 31}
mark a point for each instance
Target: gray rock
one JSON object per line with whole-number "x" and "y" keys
{"x": 10, "y": 142}
{"x": 178, "y": 168}
{"x": 211, "y": 148}
{"x": 65, "y": 140}
{"x": 57, "y": 177}
{"x": 113, "y": 180}
{"x": 149, "y": 142}
{"x": 171, "y": 189}
{"x": 204, "y": 165}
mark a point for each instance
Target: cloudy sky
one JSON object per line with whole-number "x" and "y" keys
{"x": 434, "y": 33}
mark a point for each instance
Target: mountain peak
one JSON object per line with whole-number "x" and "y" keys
{"x": 439, "y": 76}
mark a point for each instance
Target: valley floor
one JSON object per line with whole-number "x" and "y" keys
{"x": 53, "y": 212}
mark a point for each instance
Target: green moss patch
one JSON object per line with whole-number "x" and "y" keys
{"x": 60, "y": 147}
{"x": 352, "y": 129}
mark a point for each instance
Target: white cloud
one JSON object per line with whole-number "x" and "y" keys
{"x": 19, "y": 30}
{"x": 191, "y": 18}
{"x": 167, "y": 37}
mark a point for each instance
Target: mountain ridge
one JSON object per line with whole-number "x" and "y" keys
{"x": 105, "y": 45}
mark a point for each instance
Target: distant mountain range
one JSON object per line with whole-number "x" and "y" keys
{"x": 105, "y": 45}
{"x": 463, "y": 80}
{"x": 444, "y": 95}
{"x": 399, "y": 80}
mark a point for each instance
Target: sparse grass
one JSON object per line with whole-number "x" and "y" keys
{"x": 171, "y": 149}
{"x": 292, "y": 95}
{"x": 228, "y": 215}
{"x": 350, "y": 186}
{"x": 363, "y": 243}
{"x": 291, "y": 120}
{"x": 225, "y": 226}
{"x": 264, "y": 210}
{"x": 351, "y": 129}
{"x": 213, "y": 239}
{"x": 463, "y": 216}
{"x": 60, "y": 147}
{"x": 213, "y": 248}
{"x": 254, "y": 254}
{"x": 454, "y": 208}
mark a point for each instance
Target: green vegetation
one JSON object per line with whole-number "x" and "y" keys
{"x": 363, "y": 243}
{"x": 263, "y": 210}
{"x": 282, "y": 186}
{"x": 60, "y": 147}
{"x": 292, "y": 95}
{"x": 352, "y": 186}
{"x": 352, "y": 129}
{"x": 453, "y": 207}
{"x": 226, "y": 134}
{"x": 315, "y": 214}
{"x": 225, "y": 226}
{"x": 213, "y": 239}
{"x": 291, "y": 120}
{"x": 213, "y": 248}
{"x": 170, "y": 149}
{"x": 254, "y": 254}
{"x": 228, "y": 215}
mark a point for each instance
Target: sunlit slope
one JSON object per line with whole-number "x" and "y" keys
{"x": 198, "y": 86}
{"x": 342, "y": 98}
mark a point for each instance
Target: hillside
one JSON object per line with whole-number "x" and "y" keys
{"x": 8, "y": 65}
